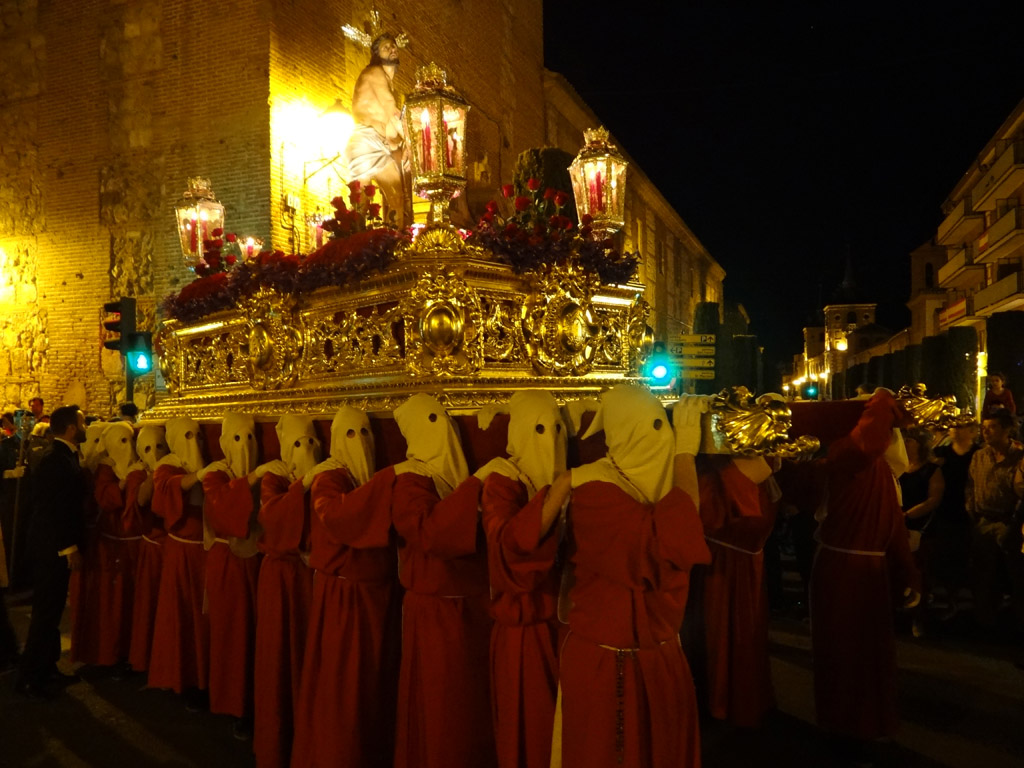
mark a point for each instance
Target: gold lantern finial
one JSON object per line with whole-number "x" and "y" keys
{"x": 198, "y": 214}
{"x": 599, "y": 182}
{"x": 435, "y": 131}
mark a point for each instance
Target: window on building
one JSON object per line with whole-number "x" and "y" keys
{"x": 929, "y": 276}
{"x": 851, "y": 318}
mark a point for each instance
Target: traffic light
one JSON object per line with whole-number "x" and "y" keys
{"x": 660, "y": 368}
{"x": 123, "y": 324}
{"x": 810, "y": 390}
{"x": 138, "y": 354}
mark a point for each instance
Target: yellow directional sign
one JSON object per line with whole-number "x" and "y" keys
{"x": 696, "y": 373}
{"x": 694, "y": 338}
{"x": 698, "y": 362}
{"x": 691, "y": 350}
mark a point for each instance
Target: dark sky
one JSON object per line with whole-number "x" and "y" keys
{"x": 790, "y": 135}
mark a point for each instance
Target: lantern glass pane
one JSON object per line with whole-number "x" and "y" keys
{"x": 455, "y": 139}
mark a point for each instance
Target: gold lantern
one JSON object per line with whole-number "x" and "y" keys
{"x": 599, "y": 183}
{"x": 435, "y": 131}
{"x": 198, "y": 214}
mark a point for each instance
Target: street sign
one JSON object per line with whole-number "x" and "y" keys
{"x": 697, "y": 362}
{"x": 696, "y": 373}
{"x": 694, "y": 338}
{"x": 679, "y": 350}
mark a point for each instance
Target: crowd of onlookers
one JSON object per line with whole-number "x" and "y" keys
{"x": 962, "y": 493}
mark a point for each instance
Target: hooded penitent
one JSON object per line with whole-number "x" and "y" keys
{"x": 238, "y": 443}
{"x": 92, "y": 448}
{"x": 300, "y": 448}
{"x": 119, "y": 444}
{"x": 352, "y": 443}
{"x": 433, "y": 445}
{"x": 183, "y": 443}
{"x": 151, "y": 446}
{"x": 537, "y": 439}
{"x": 641, "y": 445}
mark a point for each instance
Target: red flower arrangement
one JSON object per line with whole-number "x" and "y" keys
{"x": 539, "y": 235}
{"x": 220, "y": 253}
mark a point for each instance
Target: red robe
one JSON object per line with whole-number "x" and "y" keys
{"x": 524, "y": 642}
{"x": 180, "y": 656}
{"x": 350, "y": 671}
{"x": 147, "y": 588}
{"x": 282, "y": 612}
{"x": 738, "y": 517}
{"x": 119, "y": 529}
{"x": 444, "y": 686}
{"x": 84, "y": 588}
{"x": 622, "y": 658}
{"x": 853, "y": 596}
{"x": 230, "y": 595}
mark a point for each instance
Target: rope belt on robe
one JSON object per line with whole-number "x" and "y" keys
{"x": 112, "y": 537}
{"x": 862, "y": 552}
{"x": 733, "y": 546}
{"x": 185, "y": 541}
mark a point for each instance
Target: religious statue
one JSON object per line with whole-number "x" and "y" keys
{"x": 376, "y": 150}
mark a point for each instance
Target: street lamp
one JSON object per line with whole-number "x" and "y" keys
{"x": 198, "y": 214}
{"x": 435, "y": 128}
{"x": 599, "y": 183}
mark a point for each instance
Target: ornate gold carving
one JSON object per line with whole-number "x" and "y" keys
{"x": 561, "y": 334}
{"x": 438, "y": 239}
{"x": 273, "y": 339}
{"x": 940, "y": 412}
{"x": 754, "y": 427}
{"x": 462, "y": 327}
{"x": 443, "y": 320}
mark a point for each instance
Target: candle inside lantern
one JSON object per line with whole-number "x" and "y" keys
{"x": 250, "y": 245}
{"x": 204, "y": 219}
{"x": 193, "y": 244}
{"x": 427, "y": 145}
{"x": 596, "y": 192}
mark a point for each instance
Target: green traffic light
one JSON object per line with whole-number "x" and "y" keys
{"x": 140, "y": 362}
{"x": 659, "y": 371}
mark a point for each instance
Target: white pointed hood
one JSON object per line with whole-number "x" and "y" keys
{"x": 537, "y": 438}
{"x": 641, "y": 445}
{"x": 92, "y": 449}
{"x": 118, "y": 441}
{"x": 183, "y": 442}
{"x": 433, "y": 443}
{"x": 151, "y": 445}
{"x": 300, "y": 448}
{"x": 352, "y": 443}
{"x": 238, "y": 443}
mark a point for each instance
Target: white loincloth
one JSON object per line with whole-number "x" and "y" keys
{"x": 367, "y": 153}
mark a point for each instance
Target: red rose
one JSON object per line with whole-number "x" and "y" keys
{"x": 217, "y": 232}
{"x": 231, "y": 237}
{"x": 549, "y": 194}
{"x": 339, "y": 203}
{"x": 370, "y": 191}
{"x": 522, "y": 203}
{"x": 587, "y": 220}
{"x": 561, "y": 198}
{"x": 218, "y": 243}
{"x": 202, "y": 268}
{"x": 508, "y": 190}
{"x": 373, "y": 209}
{"x": 492, "y": 207}
{"x": 355, "y": 198}
{"x": 533, "y": 185}
{"x": 355, "y": 186}
{"x": 488, "y": 218}
{"x": 510, "y": 229}
{"x": 230, "y": 259}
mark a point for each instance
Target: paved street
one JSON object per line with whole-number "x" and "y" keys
{"x": 962, "y": 702}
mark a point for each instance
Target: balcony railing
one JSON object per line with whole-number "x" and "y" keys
{"x": 1004, "y": 177}
{"x": 955, "y": 312}
{"x": 962, "y": 222}
{"x": 1003, "y": 239}
{"x": 1004, "y": 294}
{"x": 960, "y": 271}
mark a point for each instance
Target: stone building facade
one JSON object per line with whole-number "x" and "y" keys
{"x": 108, "y": 107}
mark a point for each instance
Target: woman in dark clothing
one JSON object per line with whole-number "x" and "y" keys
{"x": 998, "y": 396}
{"x": 951, "y": 528}
{"x": 922, "y": 488}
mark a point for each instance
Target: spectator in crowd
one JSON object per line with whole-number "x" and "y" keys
{"x": 994, "y": 485}
{"x": 951, "y": 528}
{"x": 921, "y": 488}
{"x": 998, "y": 396}
{"x": 36, "y": 406}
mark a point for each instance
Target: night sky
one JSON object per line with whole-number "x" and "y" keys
{"x": 789, "y": 136}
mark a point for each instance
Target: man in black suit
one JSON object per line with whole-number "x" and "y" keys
{"x": 55, "y": 536}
